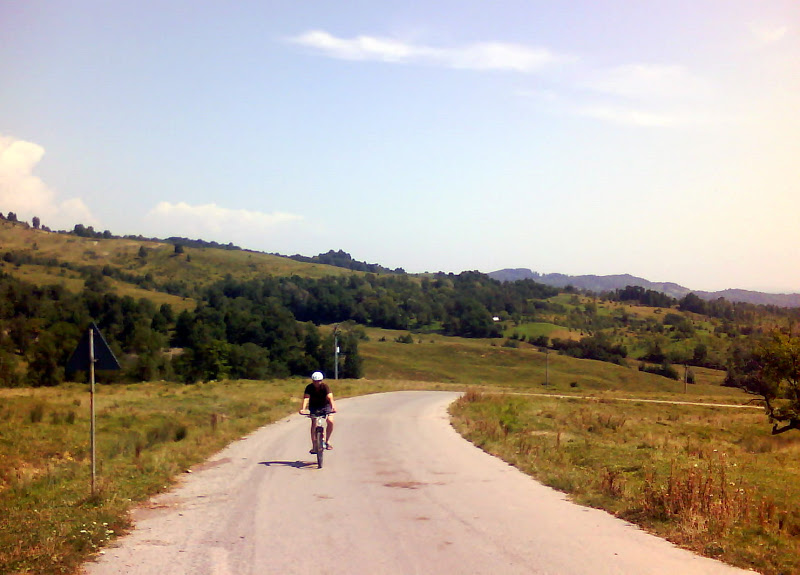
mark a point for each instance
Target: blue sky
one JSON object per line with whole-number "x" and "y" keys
{"x": 657, "y": 138}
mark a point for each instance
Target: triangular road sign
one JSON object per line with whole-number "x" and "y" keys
{"x": 103, "y": 356}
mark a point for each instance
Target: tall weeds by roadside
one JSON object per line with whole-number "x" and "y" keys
{"x": 700, "y": 476}
{"x": 147, "y": 434}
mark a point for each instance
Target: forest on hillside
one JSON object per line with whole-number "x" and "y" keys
{"x": 276, "y": 326}
{"x": 255, "y": 329}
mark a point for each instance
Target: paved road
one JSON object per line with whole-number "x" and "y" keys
{"x": 401, "y": 492}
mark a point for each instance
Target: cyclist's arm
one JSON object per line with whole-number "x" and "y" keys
{"x": 330, "y": 400}
{"x": 306, "y": 397}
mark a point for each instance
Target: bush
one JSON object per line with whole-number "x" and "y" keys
{"x": 664, "y": 370}
{"x": 540, "y": 341}
{"x": 592, "y": 347}
{"x": 36, "y": 414}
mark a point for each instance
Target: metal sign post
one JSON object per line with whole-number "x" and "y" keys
{"x": 91, "y": 406}
{"x": 88, "y": 357}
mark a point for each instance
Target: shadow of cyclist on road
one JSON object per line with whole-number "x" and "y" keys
{"x": 295, "y": 464}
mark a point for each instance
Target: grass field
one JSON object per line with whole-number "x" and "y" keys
{"x": 148, "y": 434}
{"x": 711, "y": 479}
{"x": 479, "y": 362}
{"x": 44, "y": 275}
{"x": 196, "y": 266}
{"x": 536, "y": 329}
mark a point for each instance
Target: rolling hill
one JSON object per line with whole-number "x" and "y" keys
{"x": 599, "y": 284}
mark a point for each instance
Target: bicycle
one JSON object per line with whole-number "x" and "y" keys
{"x": 320, "y": 446}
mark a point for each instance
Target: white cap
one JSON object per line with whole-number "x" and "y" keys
{"x": 317, "y": 376}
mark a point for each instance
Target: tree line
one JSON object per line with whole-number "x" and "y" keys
{"x": 462, "y": 305}
{"x": 269, "y": 327}
{"x": 342, "y": 259}
{"x": 223, "y": 338}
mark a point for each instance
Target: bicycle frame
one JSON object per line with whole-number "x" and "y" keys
{"x": 320, "y": 423}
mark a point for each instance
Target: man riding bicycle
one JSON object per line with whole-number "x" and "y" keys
{"x": 318, "y": 398}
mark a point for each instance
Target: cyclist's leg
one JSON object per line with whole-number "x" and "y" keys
{"x": 329, "y": 429}
{"x": 313, "y": 427}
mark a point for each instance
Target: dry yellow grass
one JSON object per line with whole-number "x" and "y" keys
{"x": 709, "y": 478}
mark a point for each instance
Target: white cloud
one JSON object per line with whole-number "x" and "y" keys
{"x": 360, "y": 48}
{"x": 213, "y": 222}
{"x": 480, "y": 56}
{"x": 76, "y": 212}
{"x": 497, "y": 56}
{"x": 628, "y": 116}
{"x": 648, "y": 95}
{"x": 544, "y": 95}
{"x": 27, "y": 195}
{"x": 637, "y": 81}
{"x": 769, "y": 34}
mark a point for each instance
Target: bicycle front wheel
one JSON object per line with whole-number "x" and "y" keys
{"x": 320, "y": 447}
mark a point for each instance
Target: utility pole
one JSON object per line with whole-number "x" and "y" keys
{"x": 336, "y": 351}
{"x": 547, "y": 367}
{"x": 685, "y": 378}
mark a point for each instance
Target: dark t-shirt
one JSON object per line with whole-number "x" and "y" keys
{"x": 318, "y": 396}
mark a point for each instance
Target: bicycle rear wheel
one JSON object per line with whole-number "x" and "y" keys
{"x": 320, "y": 446}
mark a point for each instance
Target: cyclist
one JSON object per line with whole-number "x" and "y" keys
{"x": 318, "y": 398}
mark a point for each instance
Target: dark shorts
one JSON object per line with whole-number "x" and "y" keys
{"x": 321, "y": 411}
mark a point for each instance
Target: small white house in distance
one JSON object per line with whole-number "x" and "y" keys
{"x": 495, "y": 318}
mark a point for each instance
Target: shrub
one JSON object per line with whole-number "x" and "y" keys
{"x": 665, "y": 370}
{"x": 36, "y": 413}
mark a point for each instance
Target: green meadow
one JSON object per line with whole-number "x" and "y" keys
{"x": 639, "y": 460}
{"x": 711, "y": 479}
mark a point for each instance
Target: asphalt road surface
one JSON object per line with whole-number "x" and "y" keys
{"x": 401, "y": 492}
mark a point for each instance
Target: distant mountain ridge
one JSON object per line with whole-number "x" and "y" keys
{"x": 611, "y": 282}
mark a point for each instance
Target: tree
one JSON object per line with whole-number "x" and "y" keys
{"x": 700, "y": 354}
{"x": 36, "y": 222}
{"x": 44, "y": 368}
{"x": 9, "y": 374}
{"x": 770, "y": 368}
{"x": 692, "y": 302}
